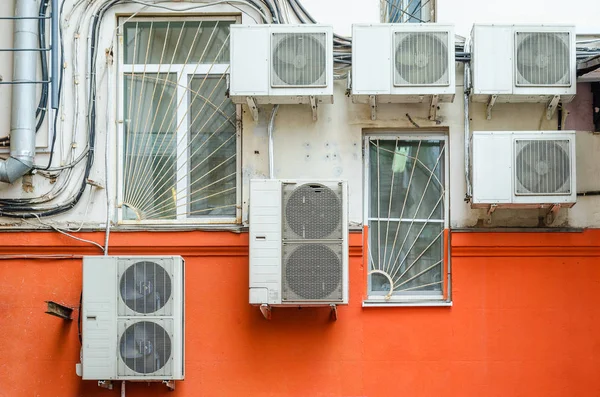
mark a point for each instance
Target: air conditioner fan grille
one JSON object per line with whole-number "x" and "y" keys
{"x": 542, "y": 167}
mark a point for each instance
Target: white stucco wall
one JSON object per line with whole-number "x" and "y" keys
{"x": 328, "y": 148}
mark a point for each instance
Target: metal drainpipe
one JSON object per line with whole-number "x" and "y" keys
{"x": 270, "y": 131}
{"x": 467, "y": 88}
{"x": 22, "y": 123}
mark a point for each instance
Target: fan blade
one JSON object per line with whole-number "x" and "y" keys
{"x": 151, "y": 363}
{"x": 405, "y": 57}
{"x": 137, "y": 342}
{"x": 286, "y": 54}
{"x": 526, "y": 59}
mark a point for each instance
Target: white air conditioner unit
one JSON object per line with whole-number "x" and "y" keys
{"x": 529, "y": 169}
{"x": 400, "y": 63}
{"x": 132, "y": 318}
{"x": 523, "y": 63}
{"x": 281, "y": 64}
{"x": 298, "y": 242}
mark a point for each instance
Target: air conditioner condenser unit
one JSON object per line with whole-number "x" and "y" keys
{"x": 298, "y": 242}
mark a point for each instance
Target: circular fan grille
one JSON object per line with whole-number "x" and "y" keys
{"x": 313, "y": 271}
{"x": 299, "y": 60}
{"x": 542, "y": 167}
{"x": 145, "y": 287}
{"x": 313, "y": 211}
{"x": 145, "y": 347}
{"x": 421, "y": 58}
{"x": 543, "y": 58}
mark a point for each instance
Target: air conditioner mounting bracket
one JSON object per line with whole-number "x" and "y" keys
{"x": 266, "y": 311}
{"x": 552, "y": 106}
{"x": 489, "y": 213}
{"x": 253, "y": 107}
{"x": 373, "y": 104}
{"x": 551, "y": 214}
{"x": 490, "y": 105}
{"x": 333, "y": 314}
{"x": 433, "y": 107}
{"x": 105, "y": 384}
{"x": 313, "y": 106}
{"x": 170, "y": 384}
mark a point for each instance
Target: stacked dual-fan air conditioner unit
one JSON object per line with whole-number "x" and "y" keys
{"x": 132, "y": 318}
{"x": 298, "y": 242}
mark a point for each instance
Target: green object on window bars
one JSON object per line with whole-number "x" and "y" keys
{"x": 400, "y": 158}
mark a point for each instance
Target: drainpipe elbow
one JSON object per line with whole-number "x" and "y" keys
{"x": 12, "y": 169}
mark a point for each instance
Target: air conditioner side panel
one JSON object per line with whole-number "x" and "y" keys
{"x": 492, "y": 168}
{"x": 492, "y": 50}
{"x": 265, "y": 241}
{"x": 179, "y": 318}
{"x": 99, "y": 318}
{"x": 250, "y": 54}
{"x": 371, "y": 59}
{"x": 345, "y": 247}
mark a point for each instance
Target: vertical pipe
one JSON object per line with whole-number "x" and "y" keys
{"x": 271, "y": 145}
{"x": 467, "y": 89}
{"x": 24, "y": 104}
{"x": 54, "y": 54}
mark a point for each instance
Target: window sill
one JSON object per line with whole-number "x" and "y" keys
{"x": 415, "y": 303}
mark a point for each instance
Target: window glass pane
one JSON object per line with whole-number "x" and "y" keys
{"x": 406, "y": 216}
{"x": 149, "y": 173}
{"x": 174, "y": 42}
{"x": 405, "y": 11}
{"x": 212, "y": 178}
{"x": 406, "y": 179}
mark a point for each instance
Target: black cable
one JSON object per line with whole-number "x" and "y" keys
{"x": 43, "y": 103}
{"x": 79, "y": 318}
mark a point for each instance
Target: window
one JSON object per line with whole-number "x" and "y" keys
{"x": 403, "y": 11}
{"x": 406, "y": 213}
{"x": 179, "y": 139}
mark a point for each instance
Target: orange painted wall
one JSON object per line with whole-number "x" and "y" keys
{"x": 525, "y": 322}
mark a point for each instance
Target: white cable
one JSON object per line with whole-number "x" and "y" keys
{"x": 109, "y": 62}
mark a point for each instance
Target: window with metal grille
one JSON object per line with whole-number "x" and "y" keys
{"x": 406, "y": 11}
{"x": 179, "y": 139}
{"x": 406, "y": 210}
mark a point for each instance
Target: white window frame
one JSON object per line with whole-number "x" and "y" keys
{"x": 190, "y": 71}
{"x": 433, "y": 299}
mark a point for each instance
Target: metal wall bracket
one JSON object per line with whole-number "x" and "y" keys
{"x": 58, "y": 310}
{"x": 313, "y": 106}
{"x": 266, "y": 311}
{"x": 433, "y": 107}
{"x": 170, "y": 384}
{"x": 373, "y": 104}
{"x": 551, "y": 214}
{"x": 105, "y": 384}
{"x": 490, "y": 105}
{"x": 253, "y": 107}
{"x": 551, "y": 108}
{"x": 489, "y": 213}
{"x": 333, "y": 315}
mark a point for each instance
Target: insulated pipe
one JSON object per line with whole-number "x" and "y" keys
{"x": 22, "y": 123}
{"x": 467, "y": 89}
{"x": 54, "y": 54}
{"x": 270, "y": 131}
